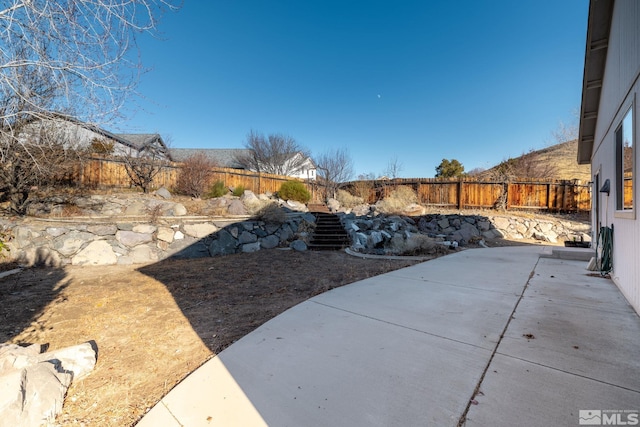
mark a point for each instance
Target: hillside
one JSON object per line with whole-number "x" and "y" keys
{"x": 553, "y": 162}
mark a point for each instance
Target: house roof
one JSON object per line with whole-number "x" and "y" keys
{"x": 598, "y": 28}
{"x": 137, "y": 141}
{"x": 223, "y": 157}
{"x": 141, "y": 141}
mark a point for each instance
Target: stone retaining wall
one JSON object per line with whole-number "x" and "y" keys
{"x": 93, "y": 242}
{"x": 390, "y": 234}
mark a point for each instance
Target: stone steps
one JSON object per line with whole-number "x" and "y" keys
{"x": 329, "y": 233}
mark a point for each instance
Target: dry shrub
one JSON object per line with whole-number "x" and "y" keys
{"x": 71, "y": 210}
{"x": 154, "y": 212}
{"x": 347, "y": 200}
{"x": 255, "y": 206}
{"x": 271, "y": 214}
{"x": 307, "y": 227}
{"x": 195, "y": 175}
{"x": 363, "y": 189}
{"x": 398, "y": 200}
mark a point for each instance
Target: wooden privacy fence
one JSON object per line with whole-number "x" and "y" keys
{"x": 560, "y": 196}
{"x": 569, "y": 196}
{"x": 112, "y": 173}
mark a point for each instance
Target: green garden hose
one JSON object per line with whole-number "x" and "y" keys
{"x": 605, "y": 243}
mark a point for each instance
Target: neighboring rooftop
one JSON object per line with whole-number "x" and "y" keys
{"x": 222, "y": 157}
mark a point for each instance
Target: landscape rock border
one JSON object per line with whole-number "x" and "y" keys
{"x": 54, "y": 244}
{"x": 396, "y": 234}
{"x": 121, "y": 229}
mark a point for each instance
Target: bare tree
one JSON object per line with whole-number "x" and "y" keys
{"x": 43, "y": 158}
{"x": 277, "y": 154}
{"x": 565, "y": 132}
{"x": 81, "y": 49}
{"x": 73, "y": 58}
{"x": 334, "y": 168}
{"x": 142, "y": 169}
{"x": 394, "y": 167}
{"x": 528, "y": 166}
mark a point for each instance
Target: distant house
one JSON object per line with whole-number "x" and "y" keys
{"x": 228, "y": 158}
{"x": 308, "y": 169}
{"x": 77, "y": 133}
{"x": 608, "y": 133}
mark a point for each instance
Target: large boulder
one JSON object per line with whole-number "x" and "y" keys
{"x": 251, "y": 247}
{"x": 98, "y": 252}
{"x": 298, "y": 245}
{"x": 70, "y": 243}
{"x": 270, "y": 242}
{"x": 33, "y": 385}
{"x": 144, "y": 228}
{"x": 200, "y": 230}
{"x": 163, "y": 192}
{"x": 249, "y": 197}
{"x": 247, "y": 237}
{"x": 165, "y": 234}
{"x": 131, "y": 238}
{"x": 333, "y": 205}
{"x": 236, "y": 207}
{"x": 58, "y": 231}
{"x": 296, "y": 206}
{"x": 225, "y": 244}
{"x": 136, "y": 208}
{"x": 465, "y": 234}
{"x": 102, "y": 229}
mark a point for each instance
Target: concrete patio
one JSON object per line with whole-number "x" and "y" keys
{"x": 483, "y": 337}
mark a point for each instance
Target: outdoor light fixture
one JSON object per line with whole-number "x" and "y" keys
{"x": 606, "y": 187}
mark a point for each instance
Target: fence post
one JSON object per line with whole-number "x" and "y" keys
{"x": 460, "y": 201}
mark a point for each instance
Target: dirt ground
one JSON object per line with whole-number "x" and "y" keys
{"x": 155, "y": 324}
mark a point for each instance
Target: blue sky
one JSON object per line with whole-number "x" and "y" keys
{"x": 416, "y": 81}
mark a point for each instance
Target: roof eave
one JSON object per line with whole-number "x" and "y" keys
{"x": 598, "y": 28}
